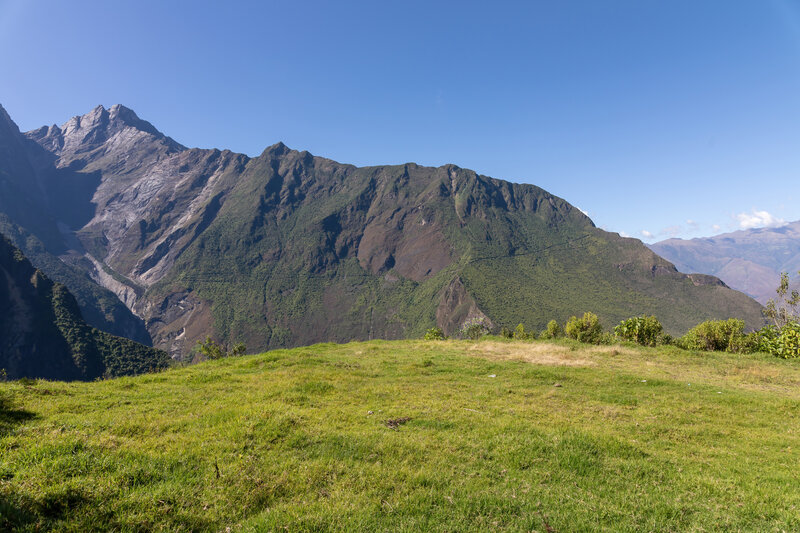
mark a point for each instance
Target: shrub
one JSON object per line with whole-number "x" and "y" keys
{"x": 474, "y": 329}
{"x": 717, "y": 335}
{"x": 586, "y": 329}
{"x": 784, "y": 309}
{"x": 644, "y": 330}
{"x": 211, "y": 349}
{"x": 521, "y": 334}
{"x": 766, "y": 339}
{"x": 506, "y": 333}
{"x": 553, "y": 331}
{"x": 787, "y": 344}
{"x": 434, "y": 334}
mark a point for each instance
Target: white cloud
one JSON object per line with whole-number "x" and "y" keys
{"x": 691, "y": 223}
{"x": 646, "y": 234}
{"x": 716, "y": 227}
{"x": 584, "y": 211}
{"x": 758, "y": 219}
{"x": 624, "y": 234}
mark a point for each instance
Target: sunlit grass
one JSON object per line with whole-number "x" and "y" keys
{"x": 565, "y": 436}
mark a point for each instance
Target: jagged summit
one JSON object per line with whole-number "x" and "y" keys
{"x": 6, "y": 118}
{"x": 118, "y": 126}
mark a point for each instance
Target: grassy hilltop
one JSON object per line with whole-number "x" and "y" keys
{"x": 412, "y": 435}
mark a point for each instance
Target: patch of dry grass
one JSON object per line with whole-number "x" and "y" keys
{"x": 538, "y": 353}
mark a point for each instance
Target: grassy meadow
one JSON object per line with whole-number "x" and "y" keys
{"x": 412, "y": 436}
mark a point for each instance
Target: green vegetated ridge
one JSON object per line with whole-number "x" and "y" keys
{"x": 288, "y": 249}
{"x": 42, "y": 333}
{"x": 412, "y": 436}
{"x": 520, "y": 254}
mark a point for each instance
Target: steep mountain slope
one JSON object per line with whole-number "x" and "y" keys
{"x": 42, "y": 333}
{"x": 39, "y": 203}
{"x": 749, "y": 260}
{"x": 287, "y": 248}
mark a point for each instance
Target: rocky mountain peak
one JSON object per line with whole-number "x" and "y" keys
{"x": 6, "y": 119}
{"x": 276, "y": 149}
{"x": 118, "y": 125}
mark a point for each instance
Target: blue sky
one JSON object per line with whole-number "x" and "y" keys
{"x": 659, "y": 119}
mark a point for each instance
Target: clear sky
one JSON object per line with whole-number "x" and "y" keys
{"x": 658, "y": 118}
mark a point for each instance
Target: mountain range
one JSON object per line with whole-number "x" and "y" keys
{"x": 43, "y": 335}
{"x": 750, "y": 260}
{"x": 168, "y": 244}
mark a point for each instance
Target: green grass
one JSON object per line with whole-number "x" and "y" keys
{"x": 284, "y": 440}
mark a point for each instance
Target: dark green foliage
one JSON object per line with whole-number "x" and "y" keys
{"x": 474, "y": 329}
{"x": 553, "y": 331}
{"x": 788, "y": 342}
{"x": 434, "y": 334}
{"x": 211, "y": 349}
{"x": 644, "y": 330}
{"x": 99, "y": 307}
{"x": 783, "y": 338}
{"x": 782, "y": 342}
{"x": 718, "y": 335}
{"x": 765, "y": 339}
{"x": 585, "y": 329}
{"x": 42, "y": 333}
{"x": 521, "y": 334}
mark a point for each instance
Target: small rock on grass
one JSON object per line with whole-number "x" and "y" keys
{"x": 394, "y": 423}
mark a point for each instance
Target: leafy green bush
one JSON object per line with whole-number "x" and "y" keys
{"x": 586, "y": 329}
{"x": 718, "y": 335}
{"x": 553, "y": 331}
{"x": 521, "y": 334}
{"x": 474, "y": 329}
{"x": 787, "y": 345}
{"x": 434, "y": 334}
{"x": 782, "y": 339}
{"x": 766, "y": 339}
{"x": 506, "y": 333}
{"x": 644, "y": 330}
{"x": 211, "y": 349}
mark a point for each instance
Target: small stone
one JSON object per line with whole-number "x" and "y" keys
{"x": 369, "y": 412}
{"x": 492, "y": 375}
{"x": 556, "y": 384}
